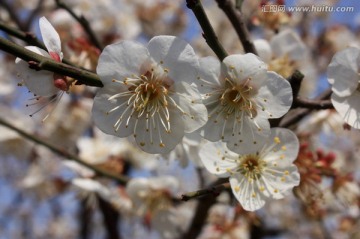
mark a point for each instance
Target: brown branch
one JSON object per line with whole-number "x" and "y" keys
{"x": 214, "y": 190}
{"x": 313, "y": 104}
{"x": 209, "y": 33}
{"x": 62, "y": 152}
{"x": 238, "y": 23}
{"x": 203, "y": 207}
{"x": 299, "y": 114}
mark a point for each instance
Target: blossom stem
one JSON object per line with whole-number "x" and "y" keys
{"x": 237, "y": 20}
{"x": 62, "y": 152}
{"x": 83, "y": 22}
{"x": 45, "y": 63}
{"x": 209, "y": 33}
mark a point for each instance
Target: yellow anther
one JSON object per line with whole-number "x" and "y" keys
{"x": 286, "y": 172}
{"x": 277, "y": 140}
{"x": 283, "y": 148}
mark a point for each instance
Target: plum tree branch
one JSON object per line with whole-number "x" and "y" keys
{"x": 43, "y": 63}
{"x": 121, "y": 179}
{"x": 215, "y": 190}
{"x": 238, "y": 23}
{"x": 208, "y": 32}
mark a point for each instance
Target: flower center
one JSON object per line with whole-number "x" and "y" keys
{"x": 237, "y": 98}
{"x": 150, "y": 93}
{"x": 158, "y": 200}
{"x": 251, "y": 166}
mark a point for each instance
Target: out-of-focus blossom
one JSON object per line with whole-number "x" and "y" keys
{"x": 159, "y": 17}
{"x": 152, "y": 199}
{"x": 110, "y": 19}
{"x": 223, "y": 222}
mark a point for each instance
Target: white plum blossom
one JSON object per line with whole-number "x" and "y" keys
{"x": 151, "y": 197}
{"x": 284, "y": 53}
{"x": 254, "y": 177}
{"x": 44, "y": 83}
{"x": 343, "y": 75}
{"x": 241, "y": 95}
{"x": 149, "y": 92}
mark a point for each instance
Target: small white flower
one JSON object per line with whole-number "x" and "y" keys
{"x": 267, "y": 173}
{"x": 148, "y": 92}
{"x": 152, "y": 197}
{"x": 241, "y": 95}
{"x": 44, "y": 83}
{"x": 343, "y": 75}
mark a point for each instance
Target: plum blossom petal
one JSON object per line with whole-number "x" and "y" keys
{"x": 348, "y": 108}
{"x": 38, "y": 82}
{"x": 177, "y": 55}
{"x": 343, "y": 71}
{"x": 50, "y": 37}
{"x": 118, "y": 62}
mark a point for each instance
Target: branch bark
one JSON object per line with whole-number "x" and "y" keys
{"x": 62, "y": 152}
{"x": 208, "y": 32}
{"x": 239, "y": 24}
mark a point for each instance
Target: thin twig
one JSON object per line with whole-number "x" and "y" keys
{"x": 44, "y": 63}
{"x": 301, "y": 113}
{"x": 209, "y": 33}
{"x": 239, "y": 24}
{"x": 313, "y": 104}
{"x": 62, "y": 152}
{"x": 83, "y": 22}
{"x": 214, "y": 190}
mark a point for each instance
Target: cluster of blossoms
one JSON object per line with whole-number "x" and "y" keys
{"x": 160, "y": 92}
{"x": 165, "y": 100}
